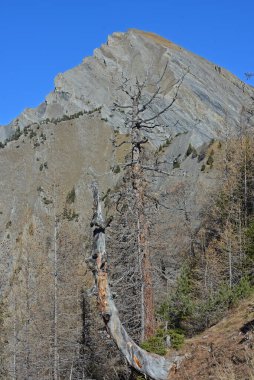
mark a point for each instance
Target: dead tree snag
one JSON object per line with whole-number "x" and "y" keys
{"x": 152, "y": 365}
{"x": 141, "y": 118}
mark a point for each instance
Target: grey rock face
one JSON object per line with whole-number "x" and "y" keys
{"x": 210, "y": 101}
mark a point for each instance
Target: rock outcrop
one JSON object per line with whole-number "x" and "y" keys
{"x": 210, "y": 97}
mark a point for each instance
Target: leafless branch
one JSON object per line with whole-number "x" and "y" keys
{"x": 122, "y": 143}
{"x": 164, "y": 109}
{"x": 151, "y": 126}
{"x": 163, "y": 74}
{"x": 178, "y": 85}
{"x": 119, "y": 106}
{"x": 144, "y": 107}
{"x": 151, "y": 168}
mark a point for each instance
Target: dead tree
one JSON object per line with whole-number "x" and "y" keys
{"x": 141, "y": 118}
{"x": 152, "y": 365}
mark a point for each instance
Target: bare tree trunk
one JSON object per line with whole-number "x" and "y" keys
{"x": 230, "y": 263}
{"x": 15, "y": 341}
{"x": 147, "y": 300}
{"x": 142, "y": 298}
{"x": 245, "y": 188}
{"x": 155, "y": 366}
{"x": 55, "y": 322}
{"x": 28, "y": 317}
{"x": 138, "y": 184}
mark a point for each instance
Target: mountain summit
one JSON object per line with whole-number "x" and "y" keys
{"x": 210, "y": 96}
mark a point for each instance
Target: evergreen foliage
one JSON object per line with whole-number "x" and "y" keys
{"x": 155, "y": 344}
{"x": 220, "y": 271}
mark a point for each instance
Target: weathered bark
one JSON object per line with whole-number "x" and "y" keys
{"x": 138, "y": 185}
{"x": 55, "y": 323}
{"x": 147, "y": 299}
{"x": 155, "y": 366}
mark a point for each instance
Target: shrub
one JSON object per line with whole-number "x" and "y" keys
{"x": 155, "y": 344}
{"x": 16, "y": 134}
{"x": 177, "y": 338}
{"x": 8, "y": 224}
{"x": 164, "y": 145}
{"x": 189, "y": 150}
{"x": 242, "y": 289}
{"x": 70, "y": 215}
{"x": 201, "y": 156}
{"x": 105, "y": 195}
{"x": 180, "y": 306}
{"x": 210, "y": 160}
{"x": 43, "y": 136}
{"x": 176, "y": 164}
{"x": 116, "y": 169}
{"x": 167, "y": 142}
{"x": 32, "y": 134}
{"x": 71, "y": 196}
{"x": 47, "y": 201}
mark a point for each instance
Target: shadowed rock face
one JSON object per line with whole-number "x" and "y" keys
{"x": 67, "y": 144}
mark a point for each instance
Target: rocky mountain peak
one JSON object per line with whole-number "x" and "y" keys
{"x": 209, "y": 104}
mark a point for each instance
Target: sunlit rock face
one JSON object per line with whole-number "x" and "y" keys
{"x": 210, "y": 96}
{"x": 65, "y": 144}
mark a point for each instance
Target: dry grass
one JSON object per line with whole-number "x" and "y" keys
{"x": 227, "y": 371}
{"x": 224, "y": 351}
{"x": 158, "y": 39}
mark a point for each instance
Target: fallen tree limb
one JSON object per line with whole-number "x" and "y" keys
{"x": 155, "y": 366}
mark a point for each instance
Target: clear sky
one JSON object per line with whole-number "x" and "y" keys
{"x": 40, "y": 38}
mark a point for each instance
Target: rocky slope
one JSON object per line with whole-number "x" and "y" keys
{"x": 58, "y": 150}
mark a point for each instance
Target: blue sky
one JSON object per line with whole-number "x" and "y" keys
{"x": 40, "y": 38}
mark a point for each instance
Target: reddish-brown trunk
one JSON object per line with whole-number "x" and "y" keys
{"x": 147, "y": 298}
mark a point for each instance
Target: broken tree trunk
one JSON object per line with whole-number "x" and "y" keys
{"x": 155, "y": 366}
